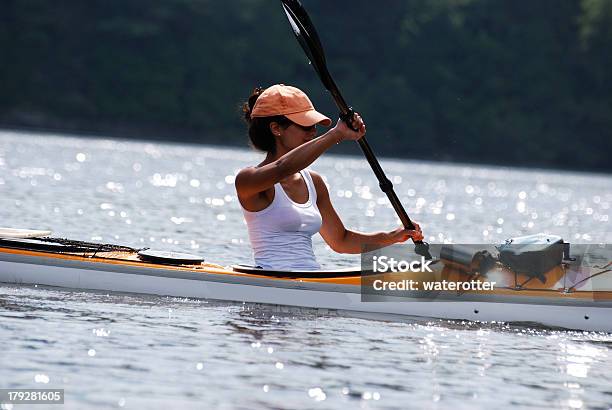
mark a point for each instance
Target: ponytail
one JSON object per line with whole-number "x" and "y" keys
{"x": 260, "y": 135}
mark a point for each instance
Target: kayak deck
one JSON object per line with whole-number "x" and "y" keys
{"x": 558, "y": 281}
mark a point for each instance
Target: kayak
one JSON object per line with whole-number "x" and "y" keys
{"x": 568, "y": 295}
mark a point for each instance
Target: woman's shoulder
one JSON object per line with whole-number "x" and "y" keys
{"x": 242, "y": 174}
{"x": 247, "y": 172}
{"x": 318, "y": 181}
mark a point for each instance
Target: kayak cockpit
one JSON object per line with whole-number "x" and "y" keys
{"x": 333, "y": 273}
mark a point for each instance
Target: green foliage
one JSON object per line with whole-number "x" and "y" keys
{"x": 504, "y": 81}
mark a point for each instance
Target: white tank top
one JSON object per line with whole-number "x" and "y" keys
{"x": 281, "y": 234}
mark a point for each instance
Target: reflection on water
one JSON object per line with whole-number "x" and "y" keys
{"x": 578, "y": 358}
{"x": 131, "y": 351}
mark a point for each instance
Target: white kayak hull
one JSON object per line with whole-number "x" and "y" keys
{"x": 244, "y": 288}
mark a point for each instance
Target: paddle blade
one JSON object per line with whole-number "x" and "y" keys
{"x": 308, "y": 38}
{"x": 422, "y": 248}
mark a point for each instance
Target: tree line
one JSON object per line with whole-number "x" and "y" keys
{"x": 503, "y": 81}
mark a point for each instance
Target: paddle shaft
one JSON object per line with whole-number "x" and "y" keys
{"x": 309, "y": 40}
{"x": 385, "y": 184}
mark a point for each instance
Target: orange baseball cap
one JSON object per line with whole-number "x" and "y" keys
{"x": 293, "y": 103}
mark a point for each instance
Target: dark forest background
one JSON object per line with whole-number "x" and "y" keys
{"x": 500, "y": 81}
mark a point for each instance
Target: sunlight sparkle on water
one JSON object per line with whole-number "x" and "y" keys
{"x": 101, "y": 332}
{"x": 41, "y": 378}
{"x": 370, "y": 396}
{"x": 317, "y": 394}
{"x": 575, "y": 403}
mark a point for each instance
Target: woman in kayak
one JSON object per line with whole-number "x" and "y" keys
{"x": 283, "y": 203}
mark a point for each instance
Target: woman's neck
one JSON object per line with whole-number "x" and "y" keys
{"x": 271, "y": 157}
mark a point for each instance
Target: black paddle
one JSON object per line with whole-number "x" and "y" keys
{"x": 309, "y": 40}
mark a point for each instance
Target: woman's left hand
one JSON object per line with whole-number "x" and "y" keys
{"x": 402, "y": 234}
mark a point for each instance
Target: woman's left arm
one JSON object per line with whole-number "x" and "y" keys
{"x": 343, "y": 240}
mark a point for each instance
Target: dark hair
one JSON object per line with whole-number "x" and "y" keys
{"x": 259, "y": 128}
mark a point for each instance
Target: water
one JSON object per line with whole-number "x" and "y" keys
{"x": 132, "y": 351}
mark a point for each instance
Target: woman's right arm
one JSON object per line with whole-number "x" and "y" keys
{"x": 252, "y": 181}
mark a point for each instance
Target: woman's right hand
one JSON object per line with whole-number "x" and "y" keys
{"x": 349, "y": 134}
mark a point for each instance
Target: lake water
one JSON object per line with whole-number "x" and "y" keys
{"x": 133, "y": 351}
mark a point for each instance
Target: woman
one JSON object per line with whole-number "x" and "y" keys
{"x": 283, "y": 203}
